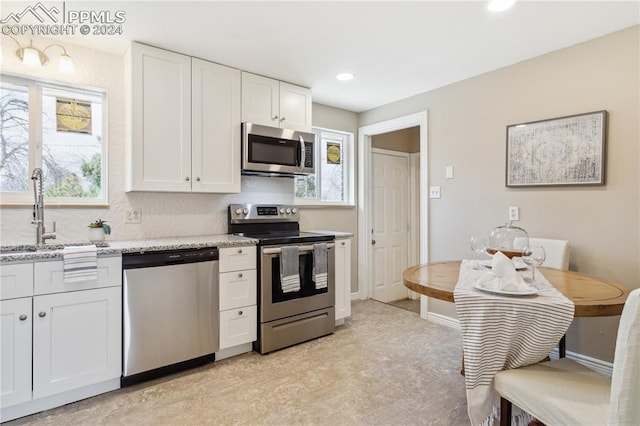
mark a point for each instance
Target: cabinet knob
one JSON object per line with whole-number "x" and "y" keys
{"x": 187, "y": 178}
{"x": 373, "y": 242}
{"x": 240, "y": 275}
{"x": 22, "y": 317}
{"x": 275, "y": 117}
{"x": 282, "y": 119}
{"x": 42, "y": 314}
{"x": 197, "y": 179}
{"x": 342, "y": 243}
{"x": 239, "y": 312}
{"x": 239, "y": 251}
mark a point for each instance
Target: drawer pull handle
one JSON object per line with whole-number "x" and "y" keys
{"x": 42, "y": 314}
{"x": 240, "y": 275}
{"x": 22, "y": 317}
{"x": 239, "y": 312}
{"x": 239, "y": 251}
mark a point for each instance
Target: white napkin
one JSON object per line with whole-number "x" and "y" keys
{"x": 503, "y": 276}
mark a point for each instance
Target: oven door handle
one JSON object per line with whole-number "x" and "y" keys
{"x": 300, "y": 248}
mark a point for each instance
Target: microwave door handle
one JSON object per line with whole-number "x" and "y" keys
{"x": 302, "y": 154}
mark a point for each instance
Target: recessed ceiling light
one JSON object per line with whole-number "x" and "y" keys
{"x": 345, "y": 76}
{"x": 500, "y": 5}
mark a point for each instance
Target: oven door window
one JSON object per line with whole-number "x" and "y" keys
{"x": 307, "y": 285}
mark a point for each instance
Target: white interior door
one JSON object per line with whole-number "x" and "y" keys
{"x": 390, "y": 239}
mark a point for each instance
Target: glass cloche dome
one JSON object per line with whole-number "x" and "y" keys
{"x": 508, "y": 239}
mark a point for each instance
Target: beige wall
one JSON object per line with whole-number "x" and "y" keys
{"x": 405, "y": 140}
{"x": 344, "y": 219}
{"x": 467, "y": 123}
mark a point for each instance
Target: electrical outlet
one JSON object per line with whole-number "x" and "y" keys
{"x": 514, "y": 213}
{"x": 434, "y": 192}
{"x": 133, "y": 216}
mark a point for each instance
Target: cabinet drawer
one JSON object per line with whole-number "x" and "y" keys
{"x": 49, "y": 276}
{"x": 237, "y": 258}
{"x": 16, "y": 281}
{"x": 237, "y": 289}
{"x": 238, "y": 326}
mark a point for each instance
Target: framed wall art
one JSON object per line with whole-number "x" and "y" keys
{"x": 561, "y": 151}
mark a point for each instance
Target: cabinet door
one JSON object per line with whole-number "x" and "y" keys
{"x": 260, "y": 100}
{"x": 15, "y": 352}
{"x": 343, "y": 278}
{"x": 295, "y": 107}
{"x": 160, "y": 145}
{"x": 76, "y": 339}
{"x": 16, "y": 281}
{"x": 215, "y": 147}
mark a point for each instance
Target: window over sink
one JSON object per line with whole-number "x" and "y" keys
{"x": 333, "y": 182}
{"x": 58, "y": 128}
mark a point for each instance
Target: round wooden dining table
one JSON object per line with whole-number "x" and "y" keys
{"x": 592, "y": 297}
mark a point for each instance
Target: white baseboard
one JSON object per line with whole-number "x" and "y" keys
{"x": 355, "y": 296}
{"x": 444, "y": 320}
{"x": 603, "y": 367}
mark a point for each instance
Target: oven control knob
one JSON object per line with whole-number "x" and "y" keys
{"x": 288, "y": 210}
{"x": 245, "y": 211}
{"x": 294, "y": 210}
{"x": 281, "y": 211}
{"x": 238, "y": 211}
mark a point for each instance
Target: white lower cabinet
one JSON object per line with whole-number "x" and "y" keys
{"x": 15, "y": 355}
{"x": 238, "y": 298}
{"x": 63, "y": 342}
{"x": 76, "y": 339}
{"x": 238, "y": 326}
{"x": 343, "y": 278}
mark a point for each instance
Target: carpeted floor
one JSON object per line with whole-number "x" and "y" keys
{"x": 384, "y": 366}
{"x": 412, "y": 305}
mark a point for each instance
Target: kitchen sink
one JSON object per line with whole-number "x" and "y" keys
{"x": 32, "y": 248}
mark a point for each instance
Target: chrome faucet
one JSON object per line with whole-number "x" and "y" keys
{"x": 38, "y": 210}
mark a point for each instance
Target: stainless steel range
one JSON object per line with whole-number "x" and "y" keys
{"x": 286, "y": 317}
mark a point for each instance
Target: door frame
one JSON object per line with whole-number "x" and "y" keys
{"x": 365, "y": 286}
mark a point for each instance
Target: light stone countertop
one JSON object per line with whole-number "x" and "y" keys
{"x": 23, "y": 254}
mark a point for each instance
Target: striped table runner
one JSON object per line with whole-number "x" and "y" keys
{"x": 503, "y": 332}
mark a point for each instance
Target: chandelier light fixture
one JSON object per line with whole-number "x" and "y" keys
{"x": 33, "y": 57}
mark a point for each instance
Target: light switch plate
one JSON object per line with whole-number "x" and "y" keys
{"x": 448, "y": 172}
{"x": 434, "y": 192}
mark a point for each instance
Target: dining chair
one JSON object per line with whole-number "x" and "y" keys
{"x": 564, "y": 392}
{"x": 557, "y": 251}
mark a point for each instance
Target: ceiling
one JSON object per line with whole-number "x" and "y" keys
{"x": 395, "y": 49}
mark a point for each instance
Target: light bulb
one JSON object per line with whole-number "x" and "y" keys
{"x": 65, "y": 64}
{"x": 500, "y": 5}
{"x": 31, "y": 57}
{"x": 345, "y": 76}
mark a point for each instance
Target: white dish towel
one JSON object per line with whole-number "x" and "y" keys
{"x": 290, "y": 269}
{"x": 320, "y": 265}
{"x": 80, "y": 263}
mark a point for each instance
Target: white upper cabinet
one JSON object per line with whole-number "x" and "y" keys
{"x": 161, "y": 120}
{"x": 275, "y": 103}
{"x": 215, "y": 153}
{"x": 185, "y": 123}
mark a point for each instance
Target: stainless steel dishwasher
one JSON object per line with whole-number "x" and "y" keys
{"x": 170, "y": 311}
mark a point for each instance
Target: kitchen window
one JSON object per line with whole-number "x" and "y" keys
{"x": 59, "y": 129}
{"x": 332, "y": 184}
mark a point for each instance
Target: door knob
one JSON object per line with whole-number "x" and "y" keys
{"x": 373, "y": 242}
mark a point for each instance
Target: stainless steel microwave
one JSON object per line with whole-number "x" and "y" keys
{"x": 276, "y": 152}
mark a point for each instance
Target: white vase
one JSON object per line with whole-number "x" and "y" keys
{"x": 96, "y": 234}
